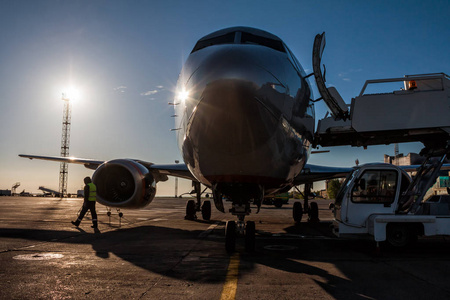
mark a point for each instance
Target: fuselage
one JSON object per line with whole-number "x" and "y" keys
{"x": 244, "y": 114}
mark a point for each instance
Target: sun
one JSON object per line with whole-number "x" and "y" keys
{"x": 72, "y": 93}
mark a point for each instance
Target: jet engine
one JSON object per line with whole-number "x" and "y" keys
{"x": 124, "y": 183}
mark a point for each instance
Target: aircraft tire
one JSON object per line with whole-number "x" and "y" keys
{"x": 190, "y": 210}
{"x": 250, "y": 237}
{"x": 313, "y": 212}
{"x": 297, "y": 212}
{"x": 230, "y": 236}
{"x": 206, "y": 210}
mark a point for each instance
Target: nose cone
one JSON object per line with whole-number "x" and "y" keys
{"x": 236, "y": 131}
{"x": 230, "y": 120}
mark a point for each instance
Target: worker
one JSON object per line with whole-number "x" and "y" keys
{"x": 90, "y": 196}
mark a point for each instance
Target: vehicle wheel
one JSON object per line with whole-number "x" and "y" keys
{"x": 398, "y": 235}
{"x": 230, "y": 236}
{"x": 206, "y": 210}
{"x": 190, "y": 210}
{"x": 313, "y": 212}
{"x": 250, "y": 236}
{"x": 278, "y": 203}
{"x": 297, "y": 212}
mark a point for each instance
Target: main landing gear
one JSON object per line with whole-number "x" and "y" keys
{"x": 192, "y": 207}
{"x": 311, "y": 209}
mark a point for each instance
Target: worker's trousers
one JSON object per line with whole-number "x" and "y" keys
{"x": 88, "y": 205}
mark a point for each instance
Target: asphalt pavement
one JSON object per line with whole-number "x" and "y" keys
{"x": 154, "y": 253}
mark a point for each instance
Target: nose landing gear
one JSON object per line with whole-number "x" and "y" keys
{"x": 240, "y": 228}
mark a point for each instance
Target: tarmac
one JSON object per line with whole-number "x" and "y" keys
{"x": 154, "y": 253}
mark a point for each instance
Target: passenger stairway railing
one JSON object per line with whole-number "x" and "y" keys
{"x": 426, "y": 176}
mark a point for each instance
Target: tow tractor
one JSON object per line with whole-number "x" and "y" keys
{"x": 382, "y": 201}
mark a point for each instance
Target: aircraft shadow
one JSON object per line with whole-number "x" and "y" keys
{"x": 356, "y": 273}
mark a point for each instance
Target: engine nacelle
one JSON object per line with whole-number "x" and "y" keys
{"x": 124, "y": 183}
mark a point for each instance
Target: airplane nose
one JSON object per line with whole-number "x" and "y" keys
{"x": 236, "y": 122}
{"x": 235, "y": 109}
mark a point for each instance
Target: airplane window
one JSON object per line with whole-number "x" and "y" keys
{"x": 223, "y": 39}
{"x": 248, "y": 38}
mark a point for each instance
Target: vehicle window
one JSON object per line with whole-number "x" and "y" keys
{"x": 404, "y": 184}
{"x": 248, "y": 38}
{"x": 375, "y": 186}
{"x": 223, "y": 39}
{"x": 344, "y": 188}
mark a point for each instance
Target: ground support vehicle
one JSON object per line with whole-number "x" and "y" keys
{"x": 381, "y": 201}
{"x": 277, "y": 200}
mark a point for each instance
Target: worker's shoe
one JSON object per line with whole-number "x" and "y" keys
{"x": 75, "y": 223}
{"x": 94, "y": 224}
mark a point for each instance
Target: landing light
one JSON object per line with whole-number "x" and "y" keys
{"x": 183, "y": 95}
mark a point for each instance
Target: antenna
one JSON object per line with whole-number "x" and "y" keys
{"x": 65, "y": 141}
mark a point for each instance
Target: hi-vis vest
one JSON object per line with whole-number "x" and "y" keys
{"x": 92, "y": 192}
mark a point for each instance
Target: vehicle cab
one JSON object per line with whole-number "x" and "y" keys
{"x": 368, "y": 190}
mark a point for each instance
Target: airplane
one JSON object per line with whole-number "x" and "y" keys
{"x": 245, "y": 123}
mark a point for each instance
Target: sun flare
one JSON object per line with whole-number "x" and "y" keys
{"x": 71, "y": 93}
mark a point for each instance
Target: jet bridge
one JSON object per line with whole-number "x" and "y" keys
{"x": 418, "y": 112}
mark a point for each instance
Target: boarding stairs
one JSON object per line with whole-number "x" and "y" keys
{"x": 418, "y": 112}
{"x": 44, "y": 189}
{"x": 423, "y": 180}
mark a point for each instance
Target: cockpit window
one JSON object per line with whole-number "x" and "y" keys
{"x": 248, "y": 38}
{"x": 245, "y": 38}
{"x": 223, "y": 39}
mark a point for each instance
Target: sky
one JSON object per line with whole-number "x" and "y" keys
{"x": 124, "y": 58}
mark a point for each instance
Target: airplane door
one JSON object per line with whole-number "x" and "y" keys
{"x": 373, "y": 192}
{"x": 336, "y": 105}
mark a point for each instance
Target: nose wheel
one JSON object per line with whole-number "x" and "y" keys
{"x": 233, "y": 230}
{"x": 240, "y": 228}
{"x": 230, "y": 236}
{"x": 250, "y": 236}
{"x": 242, "y": 197}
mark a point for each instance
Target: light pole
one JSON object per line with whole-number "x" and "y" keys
{"x": 176, "y": 182}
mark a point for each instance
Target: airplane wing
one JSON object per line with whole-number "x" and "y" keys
{"x": 412, "y": 168}
{"x": 177, "y": 170}
{"x": 88, "y": 163}
{"x": 312, "y": 173}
